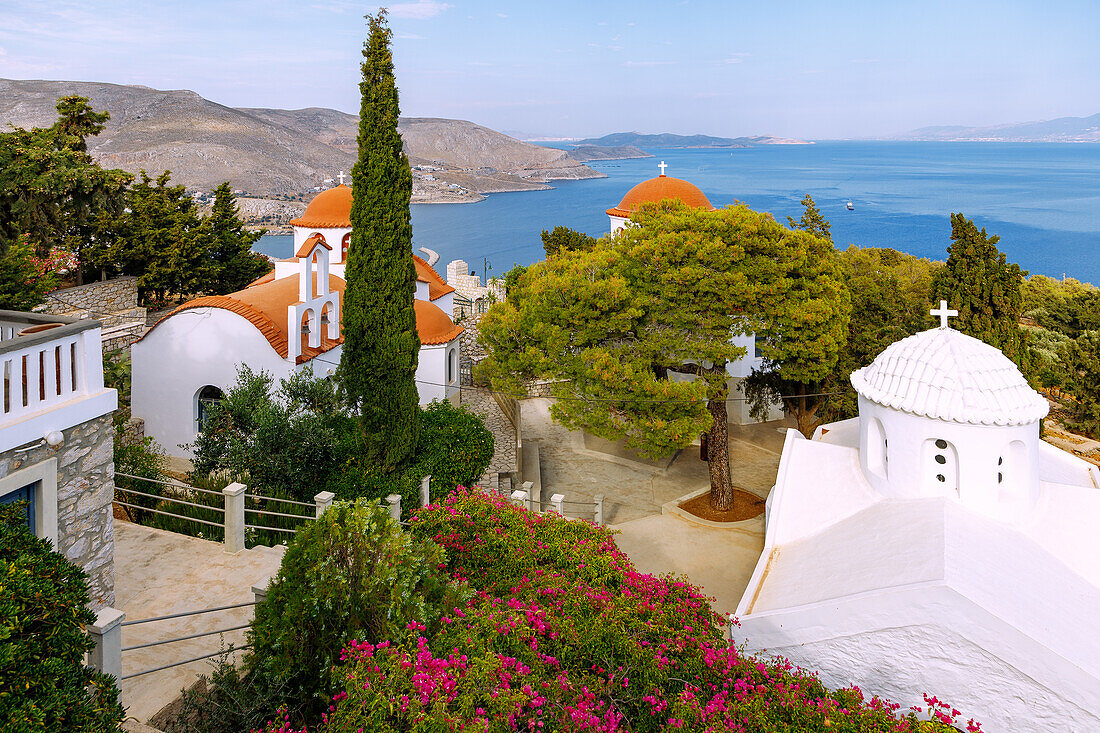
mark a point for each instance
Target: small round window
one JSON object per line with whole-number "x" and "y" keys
{"x": 941, "y": 443}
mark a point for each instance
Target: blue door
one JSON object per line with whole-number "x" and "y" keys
{"x": 26, "y": 494}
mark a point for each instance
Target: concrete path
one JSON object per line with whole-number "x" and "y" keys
{"x": 720, "y": 561}
{"x": 636, "y": 492}
{"x": 159, "y": 573}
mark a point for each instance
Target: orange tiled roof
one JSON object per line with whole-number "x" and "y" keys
{"x": 307, "y": 246}
{"x": 659, "y": 189}
{"x": 328, "y": 210}
{"x": 262, "y": 279}
{"x": 265, "y": 307}
{"x": 437, "y": 286}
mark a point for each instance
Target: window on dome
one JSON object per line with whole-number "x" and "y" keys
{"x": 1012, "y": 472}
{"x": 941, "y": 462}
{"x": 344, "y": 247}
{"x": 452, "y": 365}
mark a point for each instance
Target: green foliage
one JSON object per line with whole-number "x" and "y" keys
{"x": 22, "y": 284}
{"x": 980, "y": 283}
{"x": 1066, "y": 306}
{"x": 281, "y": 440}
{"x": 50, "y": 188}
{"x": 234, "y": 264}
{"x": 146, "y": 459}
{"x": 564, "y": 238}
{"x": 298, "y": 439}
{"x": 812, "y": 221}
{"x": 351, "y": 574}
{"x": 44, "y": 685}
{"x": 230, "y": 700}
{"x": 381, "y": 343}
{"x": 1082, "y": 364}
{"x": 156, "y": 239}
{"x": 890, "y": 294}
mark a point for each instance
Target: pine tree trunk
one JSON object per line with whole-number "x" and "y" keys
{"x": 718, "y": 450}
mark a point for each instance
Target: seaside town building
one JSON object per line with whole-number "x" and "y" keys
{"x": 664, "y": 187}
{"x": 284, "y": 322}
{"x": 935, "y": 544}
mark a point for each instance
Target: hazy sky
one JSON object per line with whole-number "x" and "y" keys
{"x": 810, "y": 69}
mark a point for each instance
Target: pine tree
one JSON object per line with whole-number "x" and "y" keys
{"x": 984, "y": 288}
{"x": 812, "y": 220}
{"x": 235, "y": 265}
{"x": 381, "y": 344}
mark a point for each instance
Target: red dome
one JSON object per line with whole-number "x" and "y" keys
{"x": 659, "y": 189}
{"x": 328, "y": 210}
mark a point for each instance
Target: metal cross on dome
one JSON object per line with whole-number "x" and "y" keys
{"x": 943, "y": 313}
{"x": 662, "y": 166}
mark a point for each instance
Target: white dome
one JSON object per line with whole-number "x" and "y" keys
{"x": 947, "y": 375}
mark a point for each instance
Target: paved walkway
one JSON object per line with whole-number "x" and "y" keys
{"x": 720, "y": 561}
{"x": 636, "y": 492}
{"x": 159, "y": 573}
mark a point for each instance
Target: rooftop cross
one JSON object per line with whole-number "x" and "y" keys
{"x": 662, "y": 166}
{"x": 943, "y": 313}
{"x": 341, "y": 177}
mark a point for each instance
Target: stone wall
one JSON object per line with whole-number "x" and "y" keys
{"x": 114, "y": 302}
{"x": 85, "y": 490}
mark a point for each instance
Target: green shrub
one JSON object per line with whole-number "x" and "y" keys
{"x": 352, "y": 574}
{"x": 44, "y": 685}
{"x": 229, "y": 700}
{"x": 145, "y": 459}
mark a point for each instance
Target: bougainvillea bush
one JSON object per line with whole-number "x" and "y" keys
{"x": 562, "y": 633}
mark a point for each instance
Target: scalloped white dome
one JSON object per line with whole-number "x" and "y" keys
{"x": 947, "y": 375}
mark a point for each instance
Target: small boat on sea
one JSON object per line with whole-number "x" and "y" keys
{"x": 850, "y": 206}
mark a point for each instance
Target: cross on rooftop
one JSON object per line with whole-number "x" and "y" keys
{"x": 943, "y": 313}
{"x": 662, "y": 166}
{"x": 341, "y": 177}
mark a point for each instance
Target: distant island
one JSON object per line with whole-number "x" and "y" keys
{"x": 1060, "y": 130}
{"x": 585, "y": 153}
{"x": 669, "y": 140}
{"x": 276, "y": 159}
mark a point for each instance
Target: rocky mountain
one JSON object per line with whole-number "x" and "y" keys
{"x": 285, "y": 153}
{"x": 585, "y": 153}
{"x": 1060, "y": 130}
{"x": 669, "y": 140}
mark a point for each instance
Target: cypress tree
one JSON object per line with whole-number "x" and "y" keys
{"x": 979, "y": 282}
{"x": 381, "y": 344}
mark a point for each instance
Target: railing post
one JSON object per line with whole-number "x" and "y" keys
{"x": 557, "y": 503}
{"x": 323, "y": 500}
{"x": 106, "y": 633}
{"x": 259, "y": 590}
{"x": 526, "y": 487}
{"x": 234, "y": 517}
{"x": 519, "y": 498}
{"x": 426, "y": 490}
{"x": 395, "y": 507}
{"x": 597, "y": 514}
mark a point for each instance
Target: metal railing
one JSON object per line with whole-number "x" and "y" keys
{"x": 522, "y": 497}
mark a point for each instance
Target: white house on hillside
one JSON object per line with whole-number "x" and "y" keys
{"x": 935, "y": 544}
{"x": 286, "y": 321}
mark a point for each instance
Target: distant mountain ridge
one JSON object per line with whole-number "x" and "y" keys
{"x": 669, "y": 140}
{"x": 275, "y": 152}
{"x": 1060, "y": 130}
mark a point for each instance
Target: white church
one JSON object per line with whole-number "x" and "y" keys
{"x": 284, "y": 322}
{"x": 935, "y": 544}
{"x": 664, "y": 187}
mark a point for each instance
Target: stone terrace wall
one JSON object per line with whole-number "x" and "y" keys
{"x": 113, "y": 302}
{"x": 85, "y": 490}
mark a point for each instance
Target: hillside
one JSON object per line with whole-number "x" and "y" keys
{"x": 585, "y": 153}
{"x": 283, "y": 153}
{"x": 669, "y": 140}
{"x": 1060, "y": 130}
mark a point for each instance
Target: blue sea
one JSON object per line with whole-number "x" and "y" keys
{"x": 1043, "y": 200}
